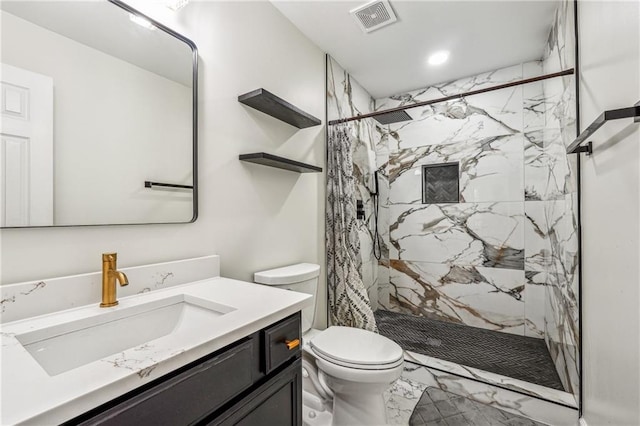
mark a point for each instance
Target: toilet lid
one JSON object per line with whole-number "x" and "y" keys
{"x": 353, "y": 346}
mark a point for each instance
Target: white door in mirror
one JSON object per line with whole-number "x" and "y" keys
{"x": 26, "y": 150}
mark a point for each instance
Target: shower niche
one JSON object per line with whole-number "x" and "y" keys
{"x": 441, "y": 183}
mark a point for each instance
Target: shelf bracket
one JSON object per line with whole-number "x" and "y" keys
{"x": 587, "y": 148}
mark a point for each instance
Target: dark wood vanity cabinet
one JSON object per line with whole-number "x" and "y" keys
{"x": 254, "y": 381}
{"x": 277, "y": 402}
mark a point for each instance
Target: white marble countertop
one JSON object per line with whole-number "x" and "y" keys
{"x": 29, "y": 395}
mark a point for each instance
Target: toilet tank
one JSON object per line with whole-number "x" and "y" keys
{"x": 302, "y": 277}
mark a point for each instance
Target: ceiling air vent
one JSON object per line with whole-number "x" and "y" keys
{"x": 373, "y": 15}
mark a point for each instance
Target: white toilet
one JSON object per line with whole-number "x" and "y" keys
{"x": 345, "y": 369}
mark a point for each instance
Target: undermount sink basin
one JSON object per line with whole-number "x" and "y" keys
{"x": 66, "y": 346}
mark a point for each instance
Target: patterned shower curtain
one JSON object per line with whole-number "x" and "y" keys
{"x": 348, "y": 299}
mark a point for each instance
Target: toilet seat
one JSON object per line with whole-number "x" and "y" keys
{"x": 355, "y": 348}
{"x": 358, "y": 375}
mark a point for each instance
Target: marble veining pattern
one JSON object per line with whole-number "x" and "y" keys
{"x": 141, "y": 360}
{"x": 534, "y": 310}
{"x": 549, "y": 173}
{"x": 160, "y": 279}
{"x": 504, "y": 258}
{"x": 490, "y": 298}
{"x": 480, "y": 81}
{"x": 537, "y": 262}
{"x": 534, "y": 101}
{"x": 39, "y": 297}
{"x": 400, "y": 400}
{"x": 511, "y": 148}
{"x": 503, "y": 399}
{"x": 459, "y": 262}
{"x": 478, "y": 234}
{"x": 561, "y": 292}
{"x": 475, "y": 118}
{"x": 491, "y": 169}
{"x": 490, "y": 378}
{"x": 30, "y": 395}
{"x": 438, "y": 407}
{"x": 538, "y": 248}
{"x": 4, "y": 303}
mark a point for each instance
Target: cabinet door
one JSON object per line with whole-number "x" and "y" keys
{"x": 278, "y": 402}
{"x": 188, "y": 396}
{"x": 276, "y": 338}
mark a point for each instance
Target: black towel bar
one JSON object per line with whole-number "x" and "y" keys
{"x": 149, "y": 184}
{"x": 614, "y": 114}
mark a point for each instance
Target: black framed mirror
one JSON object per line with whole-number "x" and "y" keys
{"x": 98, "y": 117}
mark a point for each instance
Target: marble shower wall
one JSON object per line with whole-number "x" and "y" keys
{"x": 346, "y": 98}
{"x": 462, "y": 262}
{"x": 560, "y": 202}
{"x": 505, "y": 257}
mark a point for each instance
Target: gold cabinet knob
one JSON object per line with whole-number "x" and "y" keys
{"x": 292, "y": 344}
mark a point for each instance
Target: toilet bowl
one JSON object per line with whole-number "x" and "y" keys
{"x": 357, "y": 366}
{"x": 345, "y": 369}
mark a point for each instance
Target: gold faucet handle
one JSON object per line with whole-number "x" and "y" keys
{"x": 109, "y": 257}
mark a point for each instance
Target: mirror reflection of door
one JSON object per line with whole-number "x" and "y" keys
{"x": 26, "y": 151}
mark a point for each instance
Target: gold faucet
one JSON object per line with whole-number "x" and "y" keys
{"x": 109, "y": 276}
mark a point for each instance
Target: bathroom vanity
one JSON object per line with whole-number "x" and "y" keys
{"x": 253, "y": 379}
{"x": 183, "y": 346}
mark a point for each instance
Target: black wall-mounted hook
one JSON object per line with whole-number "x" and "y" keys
{"x": 587, "y": 148}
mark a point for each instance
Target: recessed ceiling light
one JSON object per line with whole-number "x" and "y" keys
{"x": 439, "y": 57}
{"x": 141, "y": 21}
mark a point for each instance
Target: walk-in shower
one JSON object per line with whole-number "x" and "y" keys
{"x": 475, "y": 269}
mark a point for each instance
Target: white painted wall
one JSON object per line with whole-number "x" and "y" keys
{"x": 255, "y": 217}
{"x": 108, "y": 137}
{"x": 609, "y": 36}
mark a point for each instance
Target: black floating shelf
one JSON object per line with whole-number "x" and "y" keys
{"x": 267, "y": 102}
{"x": 279, "y": 162}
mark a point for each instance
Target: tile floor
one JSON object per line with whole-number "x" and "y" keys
{"x": 518, "y": 357}
{"x": 435, "y": 407}
{"x": 401, "y": 399}
{"x": 439, "y": 408}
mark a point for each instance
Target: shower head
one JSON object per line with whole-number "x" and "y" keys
{"x": 392, "y": 117}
